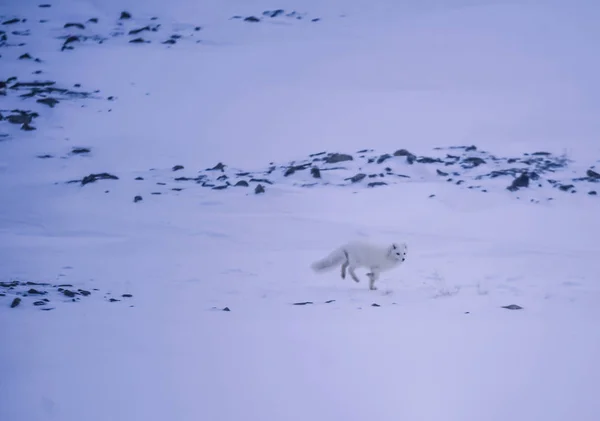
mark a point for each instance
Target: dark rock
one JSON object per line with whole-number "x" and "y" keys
{"x": 27, "y": 127}
{"x": 92, "y": 178}
{"x": 274, "y": 13}
{"x": 138, "y": 41}
{"x": 84, "y": 292}
{"x": 541, "y": 153}
{"x": 471, "y": 148}
{"x": 11, "y": 21}
{"x": 513, "y": 307}
{"x": 314, "y": 171}
{"x": 45, "y": 156}
{"x": 519, "y": 182}
{"x": 593, "y": 174}
{"x": 51, "y": 102}
{"x": 137, "y": 31}
{"x": 74, "y": 25}
{"x": 25, "y": 56}
{"x": 312, "y": 155}
{"x": 78, "y": 151}
{"x": 222, "y": 187}
{"x": 329, "y": 301}
{"x": 442, "y": 173}
{"x": 113, "y": 300}
{"x": 372, "y": 175}
{"x": 472, "y": 162}
{"x": 356, "y": 178}
{"x": 252, "y": 19}
{"x": 383, "y": 158}
{"x": 125, "y": 15}
{"x": 39, "y": 303}
{"x": 303, "y": 303}
{"x": 334, "y": 158}
{"x": 565, "y": 187}
{"x": 177, "y": 167}
{"x": 291, "y": 170}
{"x": 34, "y": 291}
{"x": 170, "y": 42}
{"x": 156, "y": 193}
{"x": 66, "y": 45}
{"x": 22, "y": 118}
{"x": 44, "y": 5}
{"x": 592, "y": 193}
{"x": 69, "y": 293}
{"x": 375, "y": 305}
{"x": 431, "y": 195}
{"x": 139, "y": 178}
{"x": 376, "y": 183}
{"x": 242, "y": 183}
{"x": 15, "y": 302}
{"x": 92, "y": 20}
{"x": 226, "y": 309}
{"x": 127, "y": 295}
{"x": 315, "y": 20}
{"x": 261, "y": 180}
{"x": 428, "y": 160}
{"x": 176, "y": 189}
{"x": 219, "y": 167}
{"x": 259, "y": 189}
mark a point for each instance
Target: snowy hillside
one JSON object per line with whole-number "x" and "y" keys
{"x": 170, "y": 170}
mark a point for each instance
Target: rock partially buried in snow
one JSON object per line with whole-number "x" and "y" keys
{"x": 513, "y": 307}
{"x": 92, "y": 178}
{"x": 356, "y": 178}
{"x": 334, "y": 158}
{"x": 242, "y": 183}
{"x": 259, "y": 189}
{"x": 15, "y": 302}
{"x": 519, "y": 182}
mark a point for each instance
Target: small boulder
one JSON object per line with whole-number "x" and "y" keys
{"x": 519, "y": 182}
{"x": 334, "y": 158}
{"x": 259, "y": 189}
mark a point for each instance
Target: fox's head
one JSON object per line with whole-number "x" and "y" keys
{"x": 398, "y": 251}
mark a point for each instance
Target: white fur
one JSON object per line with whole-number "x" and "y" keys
{"x": 356, "y": 254}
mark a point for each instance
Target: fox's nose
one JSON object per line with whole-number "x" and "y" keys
{"x": 403, "y": 259}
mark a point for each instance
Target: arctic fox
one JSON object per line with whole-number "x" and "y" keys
{"x": 355, "y": 254}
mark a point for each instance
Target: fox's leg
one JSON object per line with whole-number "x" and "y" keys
{"x": 344, "y": 267}
{"x": 351, "y": 271}
{"x": 373, "y": 276}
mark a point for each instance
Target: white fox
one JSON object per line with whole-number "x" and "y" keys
{"x": 355, "y": 254}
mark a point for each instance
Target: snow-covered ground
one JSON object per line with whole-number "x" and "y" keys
{"x": 441, "y": 106}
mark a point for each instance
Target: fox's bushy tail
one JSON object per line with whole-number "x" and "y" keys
{"x": 334, "y": 259}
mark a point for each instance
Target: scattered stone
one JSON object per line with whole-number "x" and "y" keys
{"x": 112, "y": 300}
{"x": 69, "y": 293}
{"x": 428, "y": 160}
{"x": 593, "y": 174}
{"x": 125, "y": 15}
{"x": 513, "y": 307}
{"x": 442, "y": 173}
{"x": 259, "y": 189}
{"x": 226, "y": 309}
{"x": 84, "y": 292}
{"x": 566, "y": 187}
{"x": 39, "y": 303}
{"x": 334, "y": 158}
{"x": 303, "y": 303}
{"x": 74, "y": 25}
{"x": 51, "y": 102}
{"x": 25, "y": 56}
{"x": 138, "y": 41}
{"x": 137, "y": 199}
{"x": 34, "y": 291}
{"x": 15, "y": 302}
{"x": 44, "y": 5}
{"x": 222, "y": 187}
{"x": 79, "y": 151}
{"x": 139, "y": 178}
{"x": 242, "y": 183}
{"x": 27, "y": 127}
{"x": 127, "y": 295}
{"x": 375, "y": 305}
{"x": 431, "y": 195}
{"x": 376, "y": 183}
{"x": 92, "y": 20}
{"x": 252, "y": 19}
{"x": 219, "y": 167}
{"x": 356, "y": 178}
{"x": 70, "y": 40}
{"x": 315, "y": 172}
{"x": 11, "y": 21}
{"x": 45, "y": 156}
{"x": 472, "y": 162}
{"x": 592, "y": 193}
{"x": 291, "y": 170}
{"x": 519, "y": 182}
{"x": 156, "y": 193}
{"x": 312, "y": 155}
{"x": 383, "y": 158}
{"x": 137, "y": 31}
{"x": 261, "y": 180}
{"x": 177, "y": 167}
{"x": 329, "y": 301}
{"x": 92, "y": 178}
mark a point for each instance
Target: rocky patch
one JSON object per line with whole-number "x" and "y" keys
{"x": 45, "y": 295}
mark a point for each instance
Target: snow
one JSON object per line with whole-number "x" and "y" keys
{"x": 511, "y": 77}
